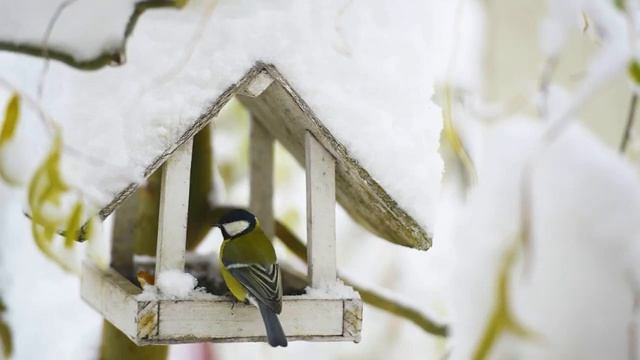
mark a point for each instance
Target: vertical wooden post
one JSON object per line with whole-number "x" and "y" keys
{"x": 122, "y": 240}
{"x": 174, "y": 206}
{"x": 261, "y": 172}
{"x": 321, "y": 217}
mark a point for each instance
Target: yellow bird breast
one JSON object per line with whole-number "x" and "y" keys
{"x": 234, "y": 286}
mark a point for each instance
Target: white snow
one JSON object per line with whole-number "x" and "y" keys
{"x": 367, "y": 70}
{"x": 176, "y": 283}
{"x": 84, "y": 29}
{"x": 46, "y": 315}
{"x": 338, "y": 291}
{"x": 576, "y": 294}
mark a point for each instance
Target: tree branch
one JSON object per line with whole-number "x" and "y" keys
{"x": 100, "y": 61}
{"x": 370, "y": 297}
{"x": 629, "y": 125}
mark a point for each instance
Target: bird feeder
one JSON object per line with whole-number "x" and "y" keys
{"x": 278, "y": 113}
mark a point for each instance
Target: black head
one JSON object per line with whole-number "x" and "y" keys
{"x": 236, "y": 223}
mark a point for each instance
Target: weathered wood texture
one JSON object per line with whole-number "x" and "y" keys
{"x": 288, "y": 117}
{"x": 261, "y": 147}
{"x": 112, "y": 295}
{"x": 265, "y": 92}
{"x": 174, "y": 205}
{"x": 122, "y": 248}
{"x": 189, "y": 133}
{"x": 219, "y": 319}
{"x": 321, "y": 214}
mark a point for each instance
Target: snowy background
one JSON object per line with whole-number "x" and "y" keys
{"x": 541, "y": 95}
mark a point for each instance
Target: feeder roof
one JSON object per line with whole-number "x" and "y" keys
{"x": 361, "y": 74}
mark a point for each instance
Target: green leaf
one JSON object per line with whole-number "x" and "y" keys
{"x": 10, "y": 122}
{"x": 634, "y": 71}
{"x": 620, "y": 4}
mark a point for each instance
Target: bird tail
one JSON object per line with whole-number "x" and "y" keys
{"x": 275, "y": 334}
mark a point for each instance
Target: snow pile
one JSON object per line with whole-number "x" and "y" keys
{"x": 176, "y": 283}
{"x": 338, "y": 291}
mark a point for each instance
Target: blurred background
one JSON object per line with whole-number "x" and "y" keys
{"x": 486, "y": 63}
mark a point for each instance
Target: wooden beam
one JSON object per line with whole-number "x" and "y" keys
{"x": 223, "y": 319}
{"x": 288, "y": 117}
{"x": 158, "y": 320}
{"x": 122, "y": 240}
{"x": 174, "y": 205}
{"x": 256, "y": 86}
{"x": 261, "y": 172}
{"x": 321, "y": 217}
{"x": 266, "y": 93}
{"x": 112, "y": 295}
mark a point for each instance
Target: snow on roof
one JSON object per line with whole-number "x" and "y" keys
{"x": 366, "y": 70}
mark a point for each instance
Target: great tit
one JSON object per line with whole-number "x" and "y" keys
{"x": 250, "y": 269}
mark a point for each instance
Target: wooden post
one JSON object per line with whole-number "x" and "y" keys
{"x": 122, "y": 240}
{"x": 321, "y": 217}
{"x": 174, "y": 205}
{"x": 261, "y": 172}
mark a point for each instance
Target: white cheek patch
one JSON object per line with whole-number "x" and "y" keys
{"x": 236, "y": 227}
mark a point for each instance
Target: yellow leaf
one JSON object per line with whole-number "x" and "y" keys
{"x": 501, "y": 318}
{"x": 45, "y": 191}
{"x": 42, "y": 238}
{"x": 5, "y": 339}
{"x": 180, "y": 3}
{"x": 73, "y": 225}
{"x": 455, "y": 142}
{"x": 10, "y": 122}
{"x": 6, "y": 342}
{"x": 46, "y": 184}
{"x": 7, "y": 131}
{"x": 634, "y": 71}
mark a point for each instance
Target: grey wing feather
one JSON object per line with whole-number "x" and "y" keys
{"x": 262, "y": 282}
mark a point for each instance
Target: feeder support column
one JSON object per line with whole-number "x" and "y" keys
{"x": 174, "y": 206}
{"x": 261, "y": 173}
{"x": 321, "y": 216}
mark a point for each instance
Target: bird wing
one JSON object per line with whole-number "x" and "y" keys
{"x": 262, "y": 282}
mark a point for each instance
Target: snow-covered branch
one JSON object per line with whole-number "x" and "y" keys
{"x": 80, "y": 42}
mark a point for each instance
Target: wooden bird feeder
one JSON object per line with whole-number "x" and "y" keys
{"x": 279, "y": 113}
